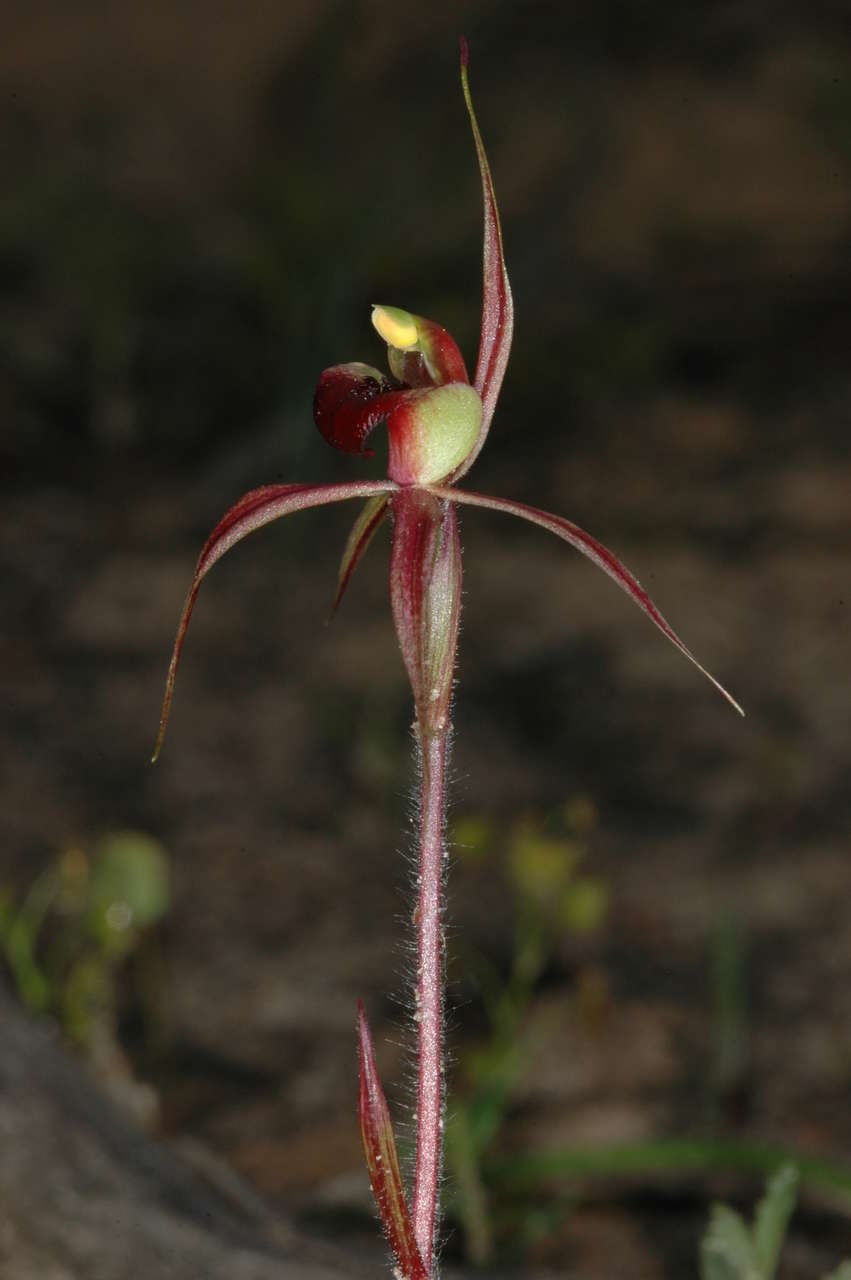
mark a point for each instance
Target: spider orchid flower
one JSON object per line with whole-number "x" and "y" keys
{"x": 437, "y": 422}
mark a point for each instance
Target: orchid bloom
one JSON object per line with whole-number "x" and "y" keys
{"x": 437, "y": 423}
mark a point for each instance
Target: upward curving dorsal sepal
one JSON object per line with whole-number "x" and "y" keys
{"x": 497, "y": 302}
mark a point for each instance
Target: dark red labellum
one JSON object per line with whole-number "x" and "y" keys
{"x": 350, "y": 400}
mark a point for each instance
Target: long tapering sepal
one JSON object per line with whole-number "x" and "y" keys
{"x": 379, "y": 1146}
{"x": 600, "y": 555}
{"x": 497, "y": 302}
{"x": 254, "y": 509}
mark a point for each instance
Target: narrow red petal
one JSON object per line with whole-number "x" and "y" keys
{"x": 596, "y": 552}
{"x": 350, "y": 400}
{"x": 379, "y": 1146}
{"x": 370, "y": 519}
{"x": 497, "y": 302}
{"x": 441, "y": 353}
{"x": 253, "y": 510}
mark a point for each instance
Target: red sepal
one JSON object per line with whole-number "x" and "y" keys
{"x": 253, "y": 510}
{"x": 497, "y": 302}
{"x": 601, "y": 556}
{"x": 382, "y": 1160}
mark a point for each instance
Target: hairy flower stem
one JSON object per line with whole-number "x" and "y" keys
{"x": 429, "y": 996}
{"x": 425, "y": 590}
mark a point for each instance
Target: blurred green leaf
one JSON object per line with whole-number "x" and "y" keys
{"x": 130, "y": 887}
{"x": 471, "y": 837}
{"x": 536, "y": 861}
{"x": 79, "y": 918}
{"x": 464, "y": 1157}
{"x": 86, "y": 997}
{"x": 675, "y": 1156}
{"x": 74, "y": 871}
{"x": 584, "y": 904}
{"x": 727, "y": 1251}
{"x": 842, "y": 1272}
{"x": 771, "y": 1220}
{"x": 580, "y": 814}
{"x": 730, "y": 1251}
{"x": 541, "y": 866}
{"x": 19, "y": 930}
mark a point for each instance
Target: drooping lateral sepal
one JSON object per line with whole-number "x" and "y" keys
{"x": 350, "y": 400}
{"x": 425, "y": 593}
{"x": 382, "y": 1160}
{"x": 254, "y": 509}
{"x": 599, "y": 554}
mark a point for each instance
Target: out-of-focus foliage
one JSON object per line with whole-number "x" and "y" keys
{"x": 67, "y": 939}
{"x": 538, "y": 862}
{"x": 732, "y": 1250}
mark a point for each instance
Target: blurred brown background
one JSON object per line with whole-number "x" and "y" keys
{"x": 200, "y": 202}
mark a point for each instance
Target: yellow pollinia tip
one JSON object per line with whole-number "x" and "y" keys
{"x": 396, "y": 327}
